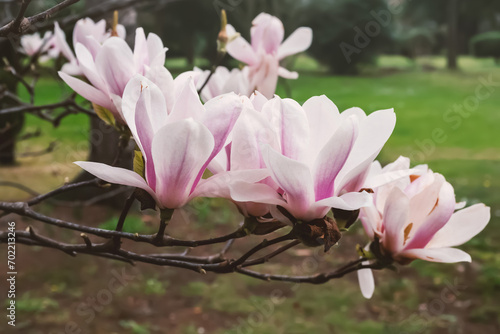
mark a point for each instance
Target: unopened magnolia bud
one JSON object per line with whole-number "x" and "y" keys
{"x": 114, "y": 31}
{"x": 318, "y": 232}
{"x": 222, "y": 38}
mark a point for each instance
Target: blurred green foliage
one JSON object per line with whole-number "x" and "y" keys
{"x": 486, "y": 45}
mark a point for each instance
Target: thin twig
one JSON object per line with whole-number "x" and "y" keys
{"x": 121, "y": 221}
{"x": 264, "y": 244}
{"x": 269, "y": 256}
{"x": 66, "y": 187}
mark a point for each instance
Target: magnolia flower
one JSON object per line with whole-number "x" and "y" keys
{"x": 266, "y": 50}
{"x": 242, "y": 154}
{"x": 313, "y": 153}
{"x": 177, "y": 144}
{"x": 415, "y": 218}
{"x": 221, "y": 82}
{"x": 33, "y": 44}
{"x": 110, "y": 66}
{"x": 88, "y": 33}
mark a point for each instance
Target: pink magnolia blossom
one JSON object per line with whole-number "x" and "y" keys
{"x": 176, "y": 144}
{"x": 46, "y": 46}
{"x": 266, "y": 50}
{"x": 110, "y": 66}
{"x": 312, "y": 152}
{"x": 242, "y": 155}
{"x": 87, "y": 32}
{"x": 221, "y": 82}
{"x": 414, "y": 218}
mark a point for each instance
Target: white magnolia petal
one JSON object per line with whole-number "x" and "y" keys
{"x": 88, "y": 92}
{"x": 374, "y": 131}
{"x": 115, "y": 175}
{"x": 240, "y": 49}
{"x": 395, "y": 217}
{"x": 294, "y": 178}
{"x": 366, "y": 282}
{"x": 284, "y": 73}
{"x": 443, "y": 255}
{"x": 300, "y": 40}
{"x": 348, "y": 201}
{"x": 462, "y": 226}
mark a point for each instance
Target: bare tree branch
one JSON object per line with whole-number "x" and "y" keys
{"x": 20, "y": 24}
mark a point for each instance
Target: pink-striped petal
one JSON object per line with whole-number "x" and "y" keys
{"x": 88, "y": 92}
{"x": 250, "y": 131}
{"x": 87, "y": 66}
{"x": 424, "y": 202}
{"x": 289, "y": 121}
{"x": 294, "y": 178}
{"x": 115, "y": 63}
{"x": 180, "y": 150}
{"x": 436, "y": 220}
{"x": 462, "y": 226}
{"x": 267, "y": 33}
{"x": 219, "y": 118}
{"x": 332, "y": 158}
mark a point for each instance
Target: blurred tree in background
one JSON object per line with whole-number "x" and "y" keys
{"x": 193, "y": 38}
{"x": 340, "y": 26}
{"x": 486, "y": 45}
{"x": 346, "y": 34}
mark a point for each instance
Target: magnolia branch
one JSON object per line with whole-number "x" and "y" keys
{"x": 21, "y": 24}
{"x": 111, "y": 246}
{"x": 102, "y": 10}
{"x": 45, "y": 112}
{"x": 217, "y": 263}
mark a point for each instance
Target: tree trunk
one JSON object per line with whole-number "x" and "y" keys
{"x": 11, "y": 124}
{"x": 452, "y": 40}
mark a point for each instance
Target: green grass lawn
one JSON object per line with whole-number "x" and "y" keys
{"x": 466, "y": 151}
